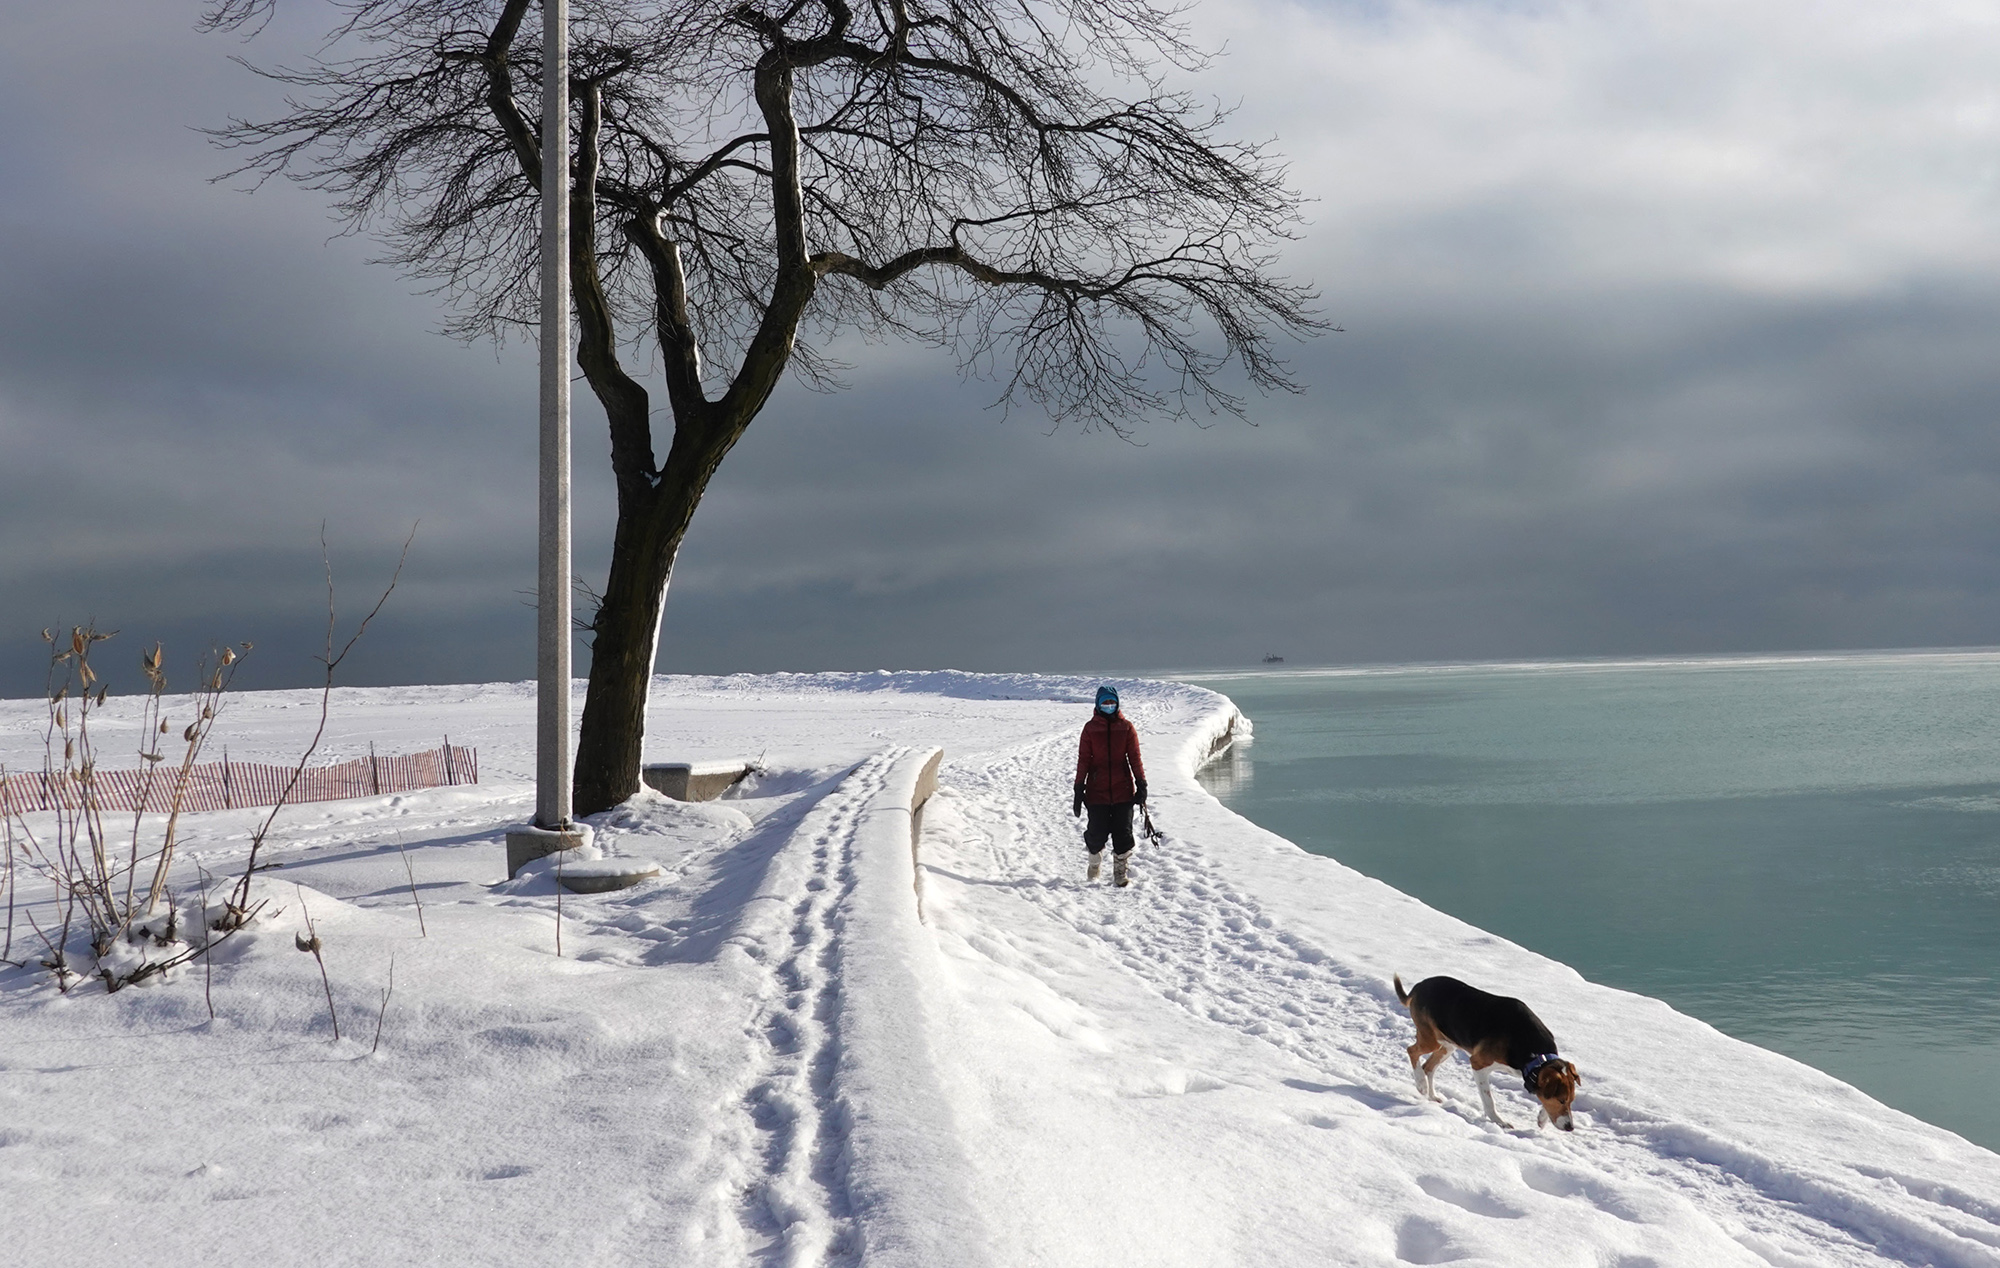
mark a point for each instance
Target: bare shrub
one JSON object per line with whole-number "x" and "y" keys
{"x": 110, "y": 887}
{"x": 97, "y": 874}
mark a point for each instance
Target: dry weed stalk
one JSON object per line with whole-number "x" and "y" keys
{"x": 207, "y": 962}
{"x": 239, "y": 909}
{"x": 312, "y": 943}
{"x": 386, "y": 993}
{"x": 54, "y": 958}
{"x": 412, "y": 874}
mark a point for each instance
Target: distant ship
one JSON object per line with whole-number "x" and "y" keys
{"x": 1274, "y": 660}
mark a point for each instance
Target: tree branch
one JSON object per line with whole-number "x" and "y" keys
{"x": 626, "y": 404}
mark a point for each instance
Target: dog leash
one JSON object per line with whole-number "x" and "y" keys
{"x": 1153, "y": 834}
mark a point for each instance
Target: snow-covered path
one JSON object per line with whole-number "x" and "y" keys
{"x": 1710, "y": 1152}
{"x": 808, "y": 1043}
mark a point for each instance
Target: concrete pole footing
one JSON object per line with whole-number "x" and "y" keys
{"x": 527, "y": 843}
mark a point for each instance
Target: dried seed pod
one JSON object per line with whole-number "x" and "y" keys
{"x": 76, "y": 643}
{"x": 207, "y": 712}
{"x": 61, "y": 715}
{"x": 164, "y": 725}
{"x": 69, "y": 750}
{"x": 102, "y": 692}
{"x": 229, "y": 656}
{"x": 48, "y": 637}
{"x": 188, "y": 734}
{"x": 304, "y": 943}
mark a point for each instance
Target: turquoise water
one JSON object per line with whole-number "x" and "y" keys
{"x": 1803, "y": 852}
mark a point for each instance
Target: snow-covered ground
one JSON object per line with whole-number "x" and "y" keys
{"x": 794, "y": 1047}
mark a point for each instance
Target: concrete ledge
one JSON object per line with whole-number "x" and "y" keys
{"x": 694, "y": 781}
{"x": 527, "y": 843}
{"x": 926, "y": 784}
{"x": 602, "y": 876}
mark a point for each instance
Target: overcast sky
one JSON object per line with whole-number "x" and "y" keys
{"x": 1670, "y": 326}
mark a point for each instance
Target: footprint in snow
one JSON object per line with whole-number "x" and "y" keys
{"x": 1422, "y": 1241}
{"x": 1465, "y": 1198}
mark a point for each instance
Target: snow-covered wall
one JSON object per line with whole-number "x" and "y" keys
{"x": 907, "y": 1172}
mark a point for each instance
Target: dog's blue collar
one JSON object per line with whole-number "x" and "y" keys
{"x": 1533, "y": 1067}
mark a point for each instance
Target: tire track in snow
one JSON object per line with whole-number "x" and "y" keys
{"x": 1213, "y": 950}
{"x": 795, "y": 1209}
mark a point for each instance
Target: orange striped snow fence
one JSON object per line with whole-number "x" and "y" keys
{"x": 225, "y": 785}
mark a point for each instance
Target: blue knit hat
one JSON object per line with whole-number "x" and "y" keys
{"x": 1107, "y": 693}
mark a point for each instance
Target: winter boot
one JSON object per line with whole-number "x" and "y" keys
{"x": 1118, "y": 876}
{"x": 1096, "y": 864}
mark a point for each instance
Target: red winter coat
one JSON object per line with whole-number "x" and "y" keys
{"x": 1107, "y": 761}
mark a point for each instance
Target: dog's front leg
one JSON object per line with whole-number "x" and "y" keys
{"x": 1486, "y": 1094}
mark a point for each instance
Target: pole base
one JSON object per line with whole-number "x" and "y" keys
{"x": 604, "y": 876}
{"x": 527, "y": 843}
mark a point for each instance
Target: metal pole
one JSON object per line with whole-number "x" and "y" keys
{"x": 552, "y": 661}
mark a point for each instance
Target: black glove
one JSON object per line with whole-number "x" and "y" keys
{"x": 1141, "y": 792}
{"x": 1076, "y": 807}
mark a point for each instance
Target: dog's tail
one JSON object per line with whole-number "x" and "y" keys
{"x": 1402, "y": 996}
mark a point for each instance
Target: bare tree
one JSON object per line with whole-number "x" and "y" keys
{"x": 755, "y": 180}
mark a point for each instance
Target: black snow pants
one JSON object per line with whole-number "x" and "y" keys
{"x": 1112, "y": 821}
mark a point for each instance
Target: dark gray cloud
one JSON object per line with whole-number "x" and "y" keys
{"x": 1668, "y": 330}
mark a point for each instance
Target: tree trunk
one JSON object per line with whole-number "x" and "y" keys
{"x": 626, "y": 634}
{"x": 626, "y": 629}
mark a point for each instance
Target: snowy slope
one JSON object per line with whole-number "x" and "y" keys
{"x": 800, "y": 1046}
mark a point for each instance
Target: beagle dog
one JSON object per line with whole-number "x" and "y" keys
{"x": 1492, "y": 1030}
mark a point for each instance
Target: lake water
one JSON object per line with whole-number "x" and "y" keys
{"x": 1803, "y": 852}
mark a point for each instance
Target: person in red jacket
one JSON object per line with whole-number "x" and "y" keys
{"x": 1110, "y": 780}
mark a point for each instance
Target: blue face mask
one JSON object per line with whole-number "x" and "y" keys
{"x": 1108, "y": 707}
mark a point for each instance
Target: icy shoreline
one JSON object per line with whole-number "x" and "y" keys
{"x": 766, "y": 1056}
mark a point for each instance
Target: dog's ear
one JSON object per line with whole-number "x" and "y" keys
{"x": 1564, "y": 1075}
